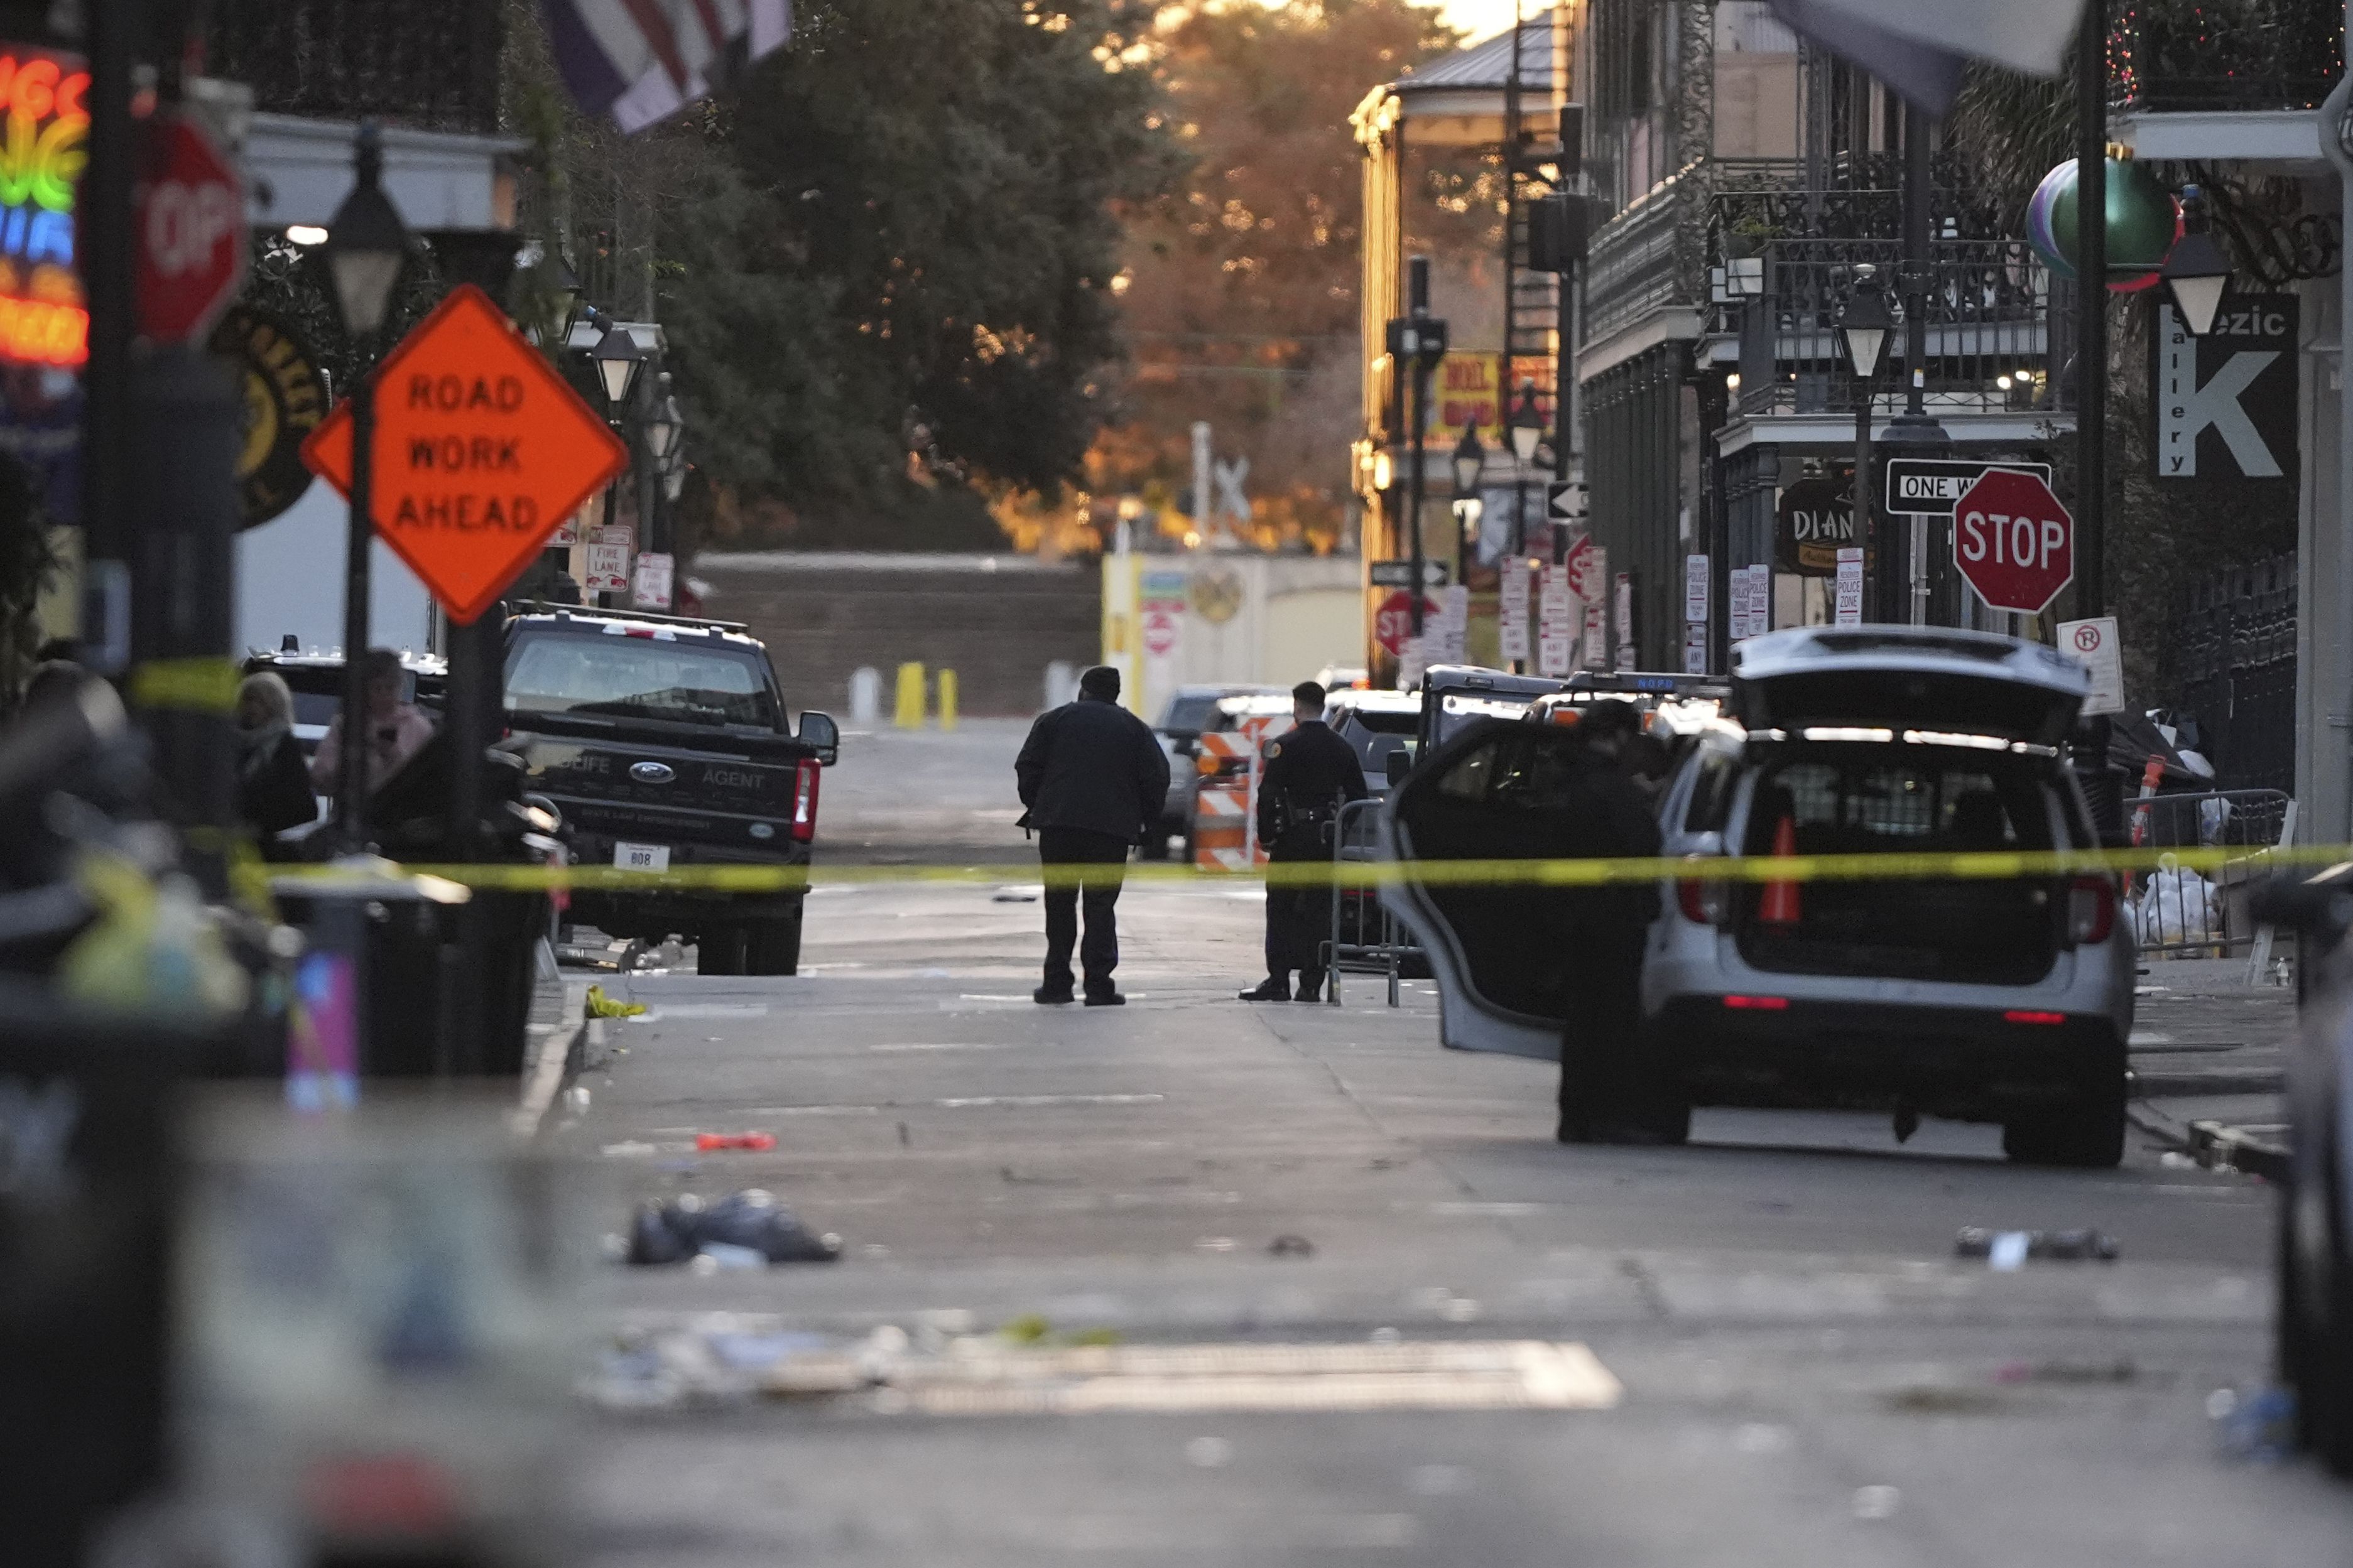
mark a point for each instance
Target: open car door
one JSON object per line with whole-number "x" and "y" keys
{"x": 1507, "y": 969}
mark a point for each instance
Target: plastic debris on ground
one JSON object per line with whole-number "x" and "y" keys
{"x": 752, "y": 1227}
{"x": 603, "y": 1007}
{"x": 711, "y": 1142}
{"x": 2253, "y": 1423}
{"x": 2009, "y": 1249}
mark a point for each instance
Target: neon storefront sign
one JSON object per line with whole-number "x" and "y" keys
{"x": 44, "y": 136}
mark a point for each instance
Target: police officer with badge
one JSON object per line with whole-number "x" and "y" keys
{"x": 1310, "y": 773}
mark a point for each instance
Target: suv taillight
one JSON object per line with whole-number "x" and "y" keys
{"x": 805, "y": 800}
{"x": 1703, "y": 903}
{"x": 2091, "y": 910}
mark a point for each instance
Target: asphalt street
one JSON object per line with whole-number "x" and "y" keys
{"x": 1792, "y": 1366}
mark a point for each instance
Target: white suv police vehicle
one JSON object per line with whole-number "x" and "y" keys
{"x": 1985, "y": 1000}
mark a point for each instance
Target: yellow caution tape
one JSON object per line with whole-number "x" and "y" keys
{"x": 1971, "y": 865}
{"x": 196, "y": 685}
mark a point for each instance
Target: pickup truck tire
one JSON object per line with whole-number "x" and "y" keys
{"x": 719, "y": 950}
{"x": 772, "y": 946}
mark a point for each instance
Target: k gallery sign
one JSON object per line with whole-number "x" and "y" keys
{"x": 2226, "y": 402}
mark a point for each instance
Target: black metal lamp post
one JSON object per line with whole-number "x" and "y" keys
{"x": 2198, "y": 275}
{"x": 366, "y": 246}
{"x": 618, "y": 358}
{"x": 1528, "y": 435}
{"x": 1864, "y": 327}
{"x": 1470, "y": 460}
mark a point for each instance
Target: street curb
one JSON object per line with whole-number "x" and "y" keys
{"x": 2191, "y": 1083}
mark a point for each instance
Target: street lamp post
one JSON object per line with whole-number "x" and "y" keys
{"x": 1417, "y": 340}
{"x": 1470, "y": 460}
{"x": 1528, "y": 435}
{"x": 365, "y": 249}
{"x": 1864, "y": 327}
{"x": 2197, "y": 275}
{"x": 618, "y": 358}
{"x": 1915, "y": 429}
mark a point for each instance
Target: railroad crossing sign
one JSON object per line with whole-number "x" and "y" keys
{"x": 1393, "y": 620}
{"x": 2013, "y": 540}
{"x": 480, "y": 452}
{"x": 189, "y": 227}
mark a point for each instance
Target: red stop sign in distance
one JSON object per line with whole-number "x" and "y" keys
{"x": 2013, "y": 540}
{"x": 188, "y": 232}
{"x": 1393, "y": 619}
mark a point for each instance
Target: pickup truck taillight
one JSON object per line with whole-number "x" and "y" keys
{"x": 804, "y": 774}
{"x": 2091, "y": 910}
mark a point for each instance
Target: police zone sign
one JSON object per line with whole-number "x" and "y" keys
{"x": 2226, "y": 402}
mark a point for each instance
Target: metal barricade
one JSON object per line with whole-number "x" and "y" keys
{"x": 1366, "y": 938}
{"x": 2178, "y": 912}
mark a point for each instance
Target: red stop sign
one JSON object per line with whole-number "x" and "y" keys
{"x": 2013, "y": 540}
{"x": 189, "y": 234}
{"x": 1393, "y": 619}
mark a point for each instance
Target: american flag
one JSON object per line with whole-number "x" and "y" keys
{"x": 640, "y": 61}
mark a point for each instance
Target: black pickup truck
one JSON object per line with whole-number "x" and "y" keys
{"x": 663, "y": 741}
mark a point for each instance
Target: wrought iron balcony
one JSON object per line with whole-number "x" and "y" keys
{"x": 2176, "y": 56}
{"x": 1999, "y": 327}
{"x": 432, "y": 64}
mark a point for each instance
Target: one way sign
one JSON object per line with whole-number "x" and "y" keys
{"x": 1564, "y": 500}
{"x": 2226, "y": 402}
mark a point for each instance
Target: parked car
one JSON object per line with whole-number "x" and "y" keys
{"x": 2316, "y": 1215}
{"x": 316, "y": 678}
{"x": 1980, "y": 1000}
{"x": 1376, "y": 724}
{"x": 1190, "y": 711}
{"x": 665, "y": 743}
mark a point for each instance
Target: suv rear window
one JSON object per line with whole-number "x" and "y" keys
{"x": 637, "y": 677}
{"x": 1870, "y": 803}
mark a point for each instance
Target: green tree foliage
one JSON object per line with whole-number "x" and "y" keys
{"x": 885, "y": 262}
{"x": 1242, "y": 285}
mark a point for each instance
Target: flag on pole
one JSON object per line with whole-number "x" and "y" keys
{"x": 1918, "y": 48}
{"x": 643, "y": 60}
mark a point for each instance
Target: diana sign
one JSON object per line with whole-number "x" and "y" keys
{"x": 1814, "y": 522}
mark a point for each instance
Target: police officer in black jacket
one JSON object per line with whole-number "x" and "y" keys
{"x": 1094, "y": 779}
{"x": 1310, "y": 773}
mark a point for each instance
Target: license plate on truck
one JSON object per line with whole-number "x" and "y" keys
{"x": 641, "y": 856}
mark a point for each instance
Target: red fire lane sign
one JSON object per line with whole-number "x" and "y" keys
{"x": 480, "y": 452}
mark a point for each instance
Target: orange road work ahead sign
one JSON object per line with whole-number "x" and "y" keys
{"x": 480, "y": 451}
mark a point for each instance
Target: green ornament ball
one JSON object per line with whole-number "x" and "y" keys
{"x": 2143, "y": 222}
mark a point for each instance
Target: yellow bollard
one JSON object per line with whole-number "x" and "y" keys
{"x": 910, "y": 697}
{"x": 947, "y": 699}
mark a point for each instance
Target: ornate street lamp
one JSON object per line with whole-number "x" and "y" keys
{"x": 665, "y": 427}
{"x": 1527, "y": 427}
{"x": 1864, "y": 327}
{"x": 367, "y": 243}
{"x": 364, "y": 252}
{"x": 1864, "y": 324}
{"x": 1470, "y": 458}
{"x": 619, "y": 359}
{"x": 2197, "y": 274}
